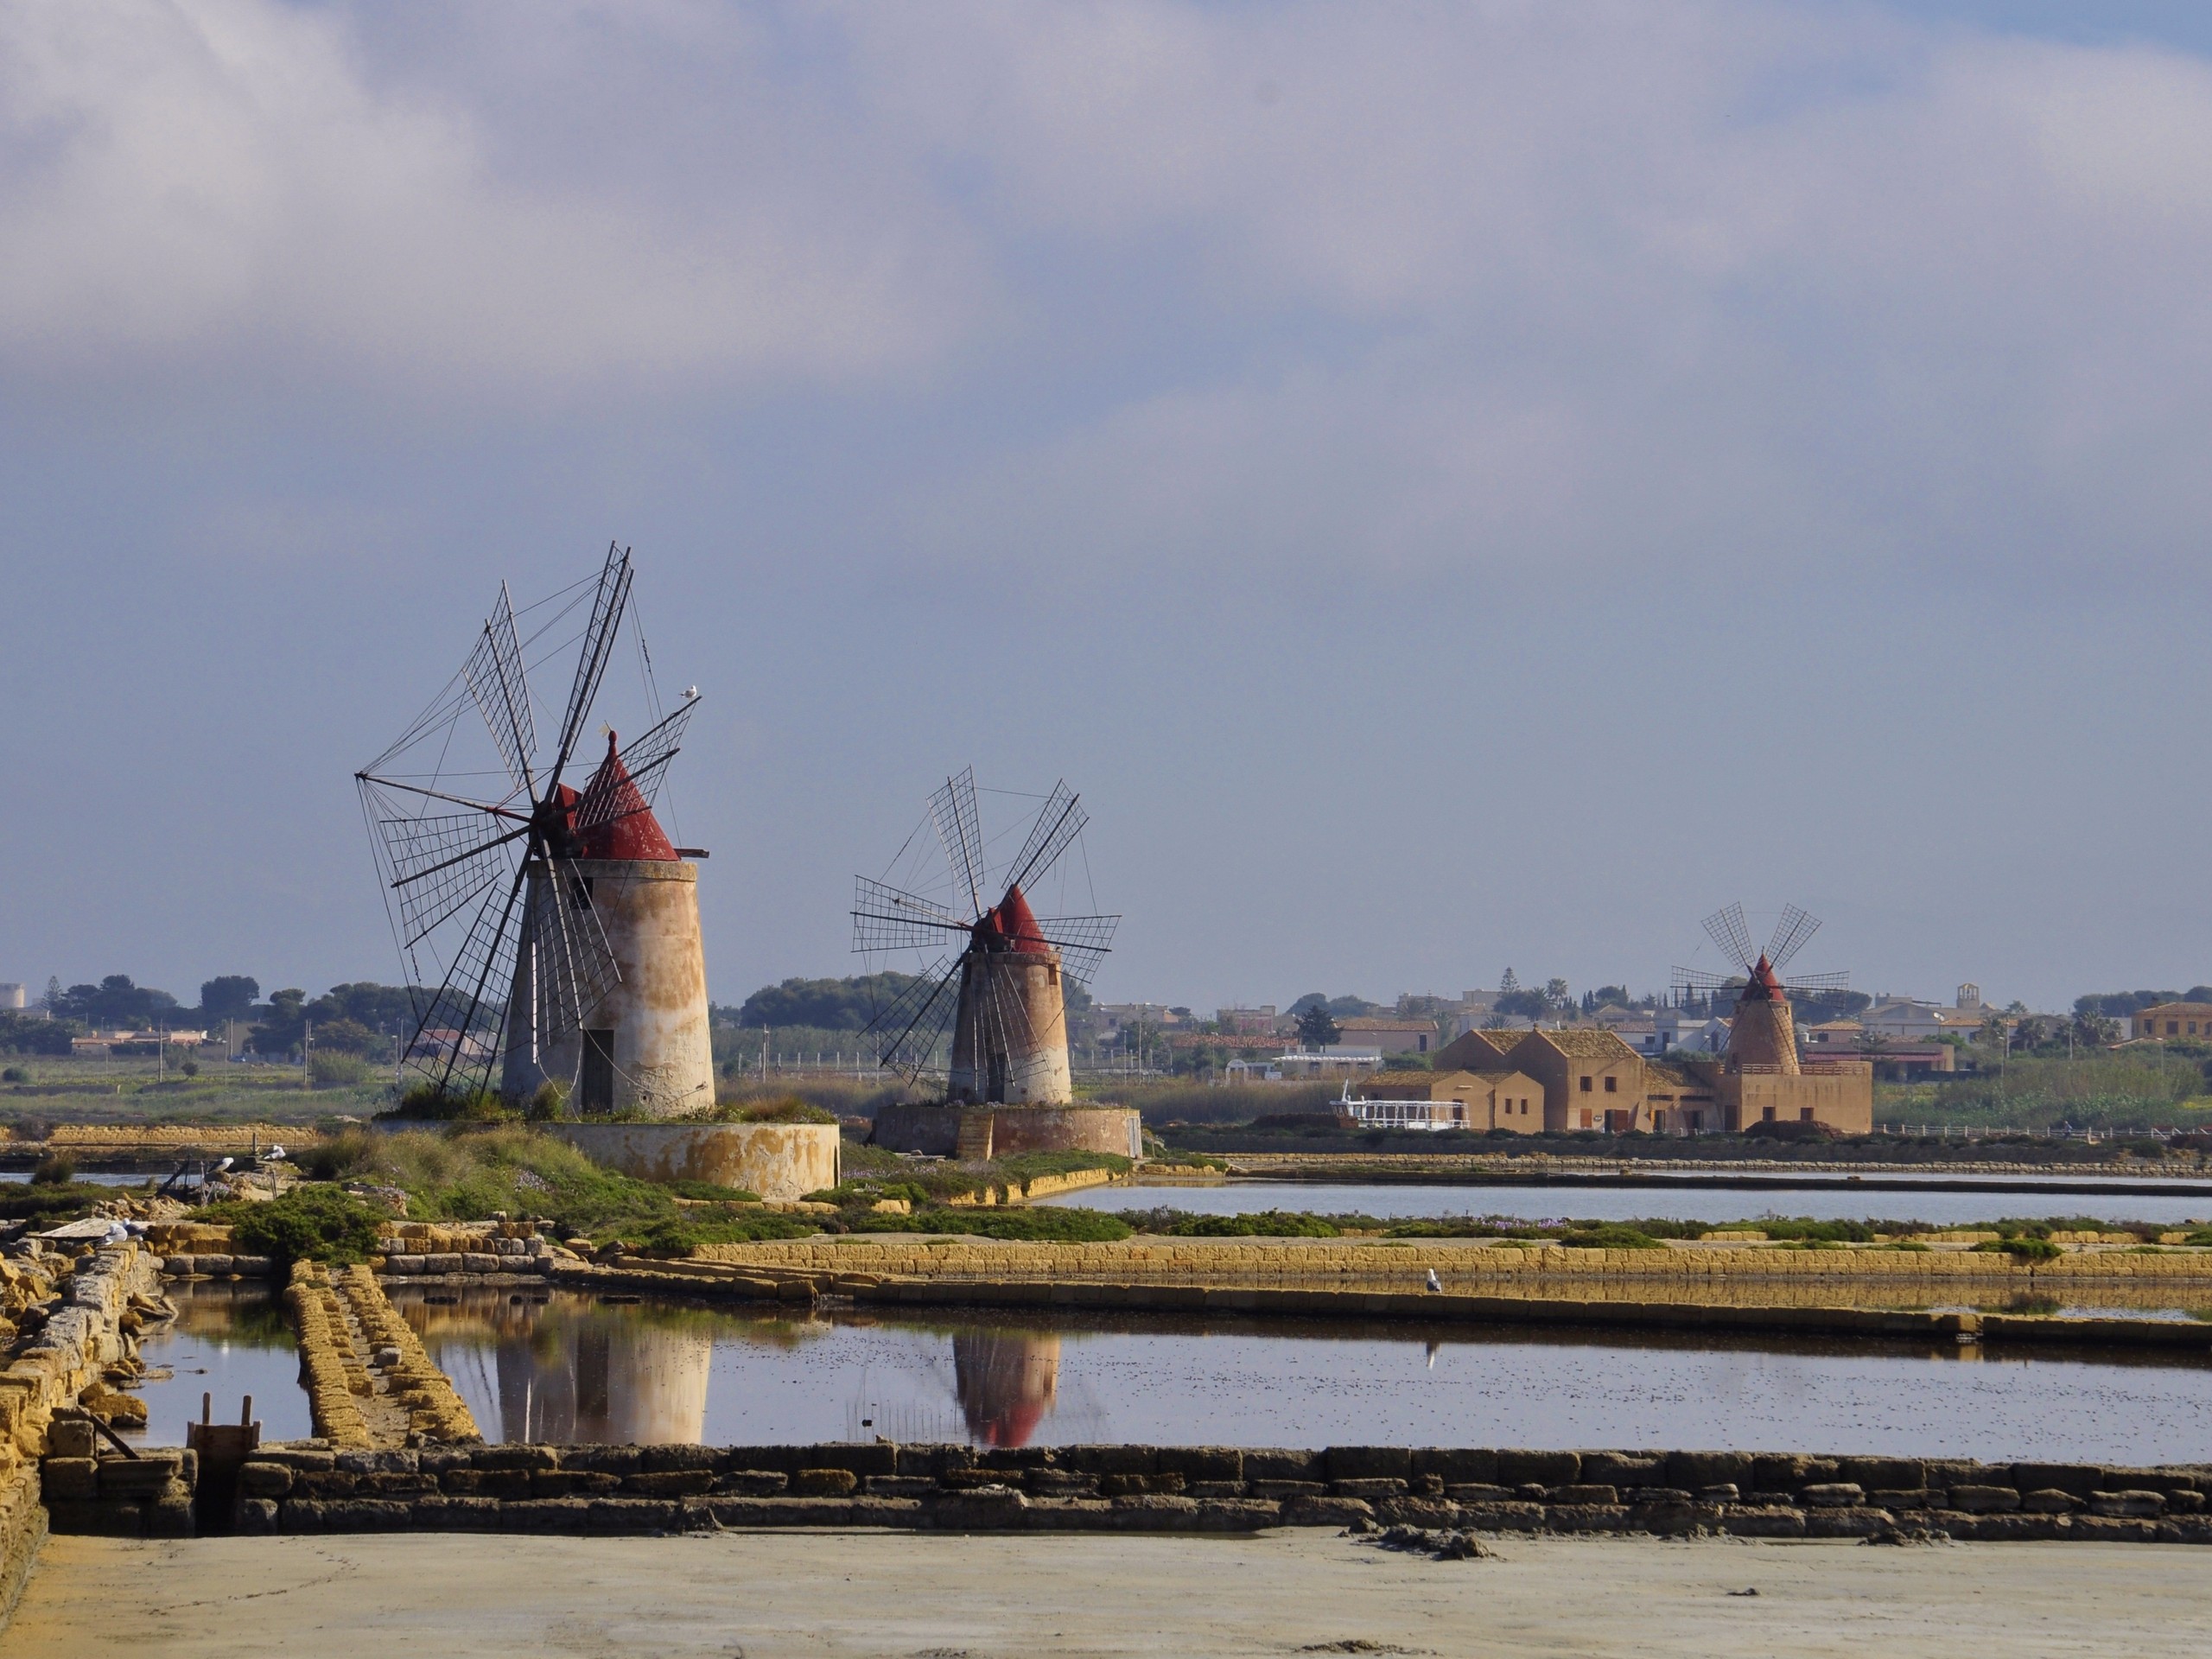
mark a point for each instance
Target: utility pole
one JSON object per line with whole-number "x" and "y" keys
{"x": 764, "y": 1057}
{"x": 306, "y": 1042}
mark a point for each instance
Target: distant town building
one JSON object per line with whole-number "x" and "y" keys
{"x": 1241, "y": 1021}
{"x": 2163, "y": 1020}
{"x": 1388, "y": 1036}
{"x": 1336, "y": 1060}
{"x": 1476, "y": 1101}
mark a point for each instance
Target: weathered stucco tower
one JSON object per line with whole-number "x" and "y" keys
{"x": 1763, "y": 1036}
{"x": 1010, "y": 1033}
{"x": 642, "y": 1044}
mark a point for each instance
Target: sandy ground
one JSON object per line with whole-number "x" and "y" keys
{"x": 918, "y": 1597}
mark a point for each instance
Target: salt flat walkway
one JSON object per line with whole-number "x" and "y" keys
{"x": 763, "y": 1596}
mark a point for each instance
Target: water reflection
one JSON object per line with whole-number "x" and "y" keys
{"x": 567, "y": 1367}
{"x": 1007, "y": 1382}
{"x": 1833, "y": 1200}
{"x": 228, "y": 1340}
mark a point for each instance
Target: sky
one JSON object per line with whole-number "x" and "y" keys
{"x": 1455, "y": 485}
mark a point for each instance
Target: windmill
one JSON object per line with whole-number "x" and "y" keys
{"x": 996, "y": 981}
{"x": 1762, "y": 1035}
{"x": 552, "y": 921}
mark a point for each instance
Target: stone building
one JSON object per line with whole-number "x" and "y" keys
{"x": 1479, "y": 1101}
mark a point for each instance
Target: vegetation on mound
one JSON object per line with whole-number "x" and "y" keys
{"x": 1609, "y": 1235}
{"x": 472, "y": 1173}
{"x": 1273, "y": 1223}
{"x": 2022, "y": 1249}
{"x": 316, "y": 1221}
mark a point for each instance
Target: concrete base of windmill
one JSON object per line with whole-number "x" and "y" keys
{"x": 779, "y": 1162}
{"x": 972, "y": 1134}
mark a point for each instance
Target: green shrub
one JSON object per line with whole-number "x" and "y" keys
{"x": 53, "y": 1169}
{"x": 315, "y": 1222}
{"x": 1273, "y": 1223}
{"x": 1609, "y": 1237}
{"x": 547, "y": 1105}
{"x": 1910, "y": 1244}
{"x": 2023, "y": 1248}
{"x": 17, "y": 1074}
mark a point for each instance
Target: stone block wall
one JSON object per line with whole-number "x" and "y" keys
{"x": 309, "y": 1487}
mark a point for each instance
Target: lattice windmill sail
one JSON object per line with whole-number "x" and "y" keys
{"x": 1761, "y": 1036}
{"x": 542, "y": 915}
{"x": 996, "y": 984}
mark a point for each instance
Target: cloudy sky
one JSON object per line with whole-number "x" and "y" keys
{"x": 1455, "y": 485}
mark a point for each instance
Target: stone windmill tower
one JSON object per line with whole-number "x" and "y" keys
{"x": 1763, "y": 1036}
{"x": 1001, "y": 990}
{"x": 559, "y": 926}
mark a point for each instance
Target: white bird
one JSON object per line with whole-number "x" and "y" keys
{"x": 1434, "y": 1283}
{"x": 279, "y": 1152}
{"x": 690, "y": 692}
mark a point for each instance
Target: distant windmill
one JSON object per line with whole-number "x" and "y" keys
{"x": 560, "y": 927}
{"x": 999, "y": 988}
{"x": 1762, "y": 1035}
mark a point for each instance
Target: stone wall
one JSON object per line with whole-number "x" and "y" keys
{"x": 946, "y": 1131}
{"x": 68, "y": 1327}
{"x": 779, "y": 1162}
{"x": 1260, "y": 1260}
{"x": 664, "y": 1489}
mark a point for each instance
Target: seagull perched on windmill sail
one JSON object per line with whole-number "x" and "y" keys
{"x": 560, "y": 927}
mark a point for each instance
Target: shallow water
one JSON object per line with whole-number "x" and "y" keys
{"x": 229, "y": 1340}
{"x": 563, "y": 1366}
{"x": 1836, "y": 1201}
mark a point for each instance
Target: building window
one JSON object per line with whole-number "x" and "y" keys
{"x": 1585, "y": 1085}
{"x": 1767, "y": 1116}
{"x": 1805, "y": 1115}
{"x": 2173, "y": 1027}
{"x": 1612, "y": 1085}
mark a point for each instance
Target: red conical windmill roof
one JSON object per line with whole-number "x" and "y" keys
{"x": 1764, "y": 986}
{"x": 1010, "y": 925}
{"x": 615, "y": 821}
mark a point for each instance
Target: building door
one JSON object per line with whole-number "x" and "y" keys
{"x": 596, "y": 1084}
{"x": 1618, "y": 1121}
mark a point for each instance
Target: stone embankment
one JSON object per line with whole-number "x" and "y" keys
{"x": 368, "y": 1380}
{"x": 306, "y": 1487}
{"x": 71, "y": 1330}
{"x": 1195, "y": 1261}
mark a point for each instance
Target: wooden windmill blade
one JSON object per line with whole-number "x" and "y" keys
{"x": 959, "y": 830}
{"x": 1082, "y": 941}
{"x": 885, "y": 917}
{"x": 456, "y": 1038}
{"x": 608, "y": 603}
{"x": 1790, "y": 933}
{"x": 573, "y": 966}
{"x": 1726, "y": 930}
{"x": 911, "y": 1028}
{"x": 1059, "y": 823}
{"x": 501, "y": 688}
